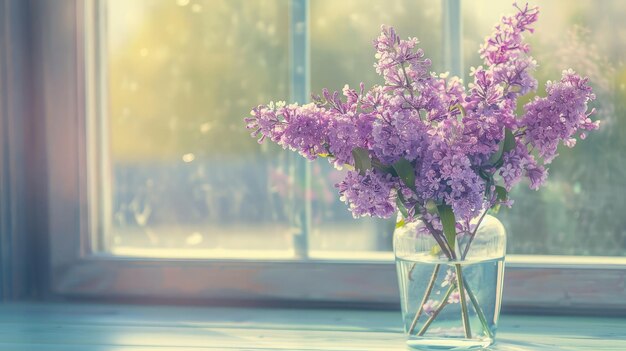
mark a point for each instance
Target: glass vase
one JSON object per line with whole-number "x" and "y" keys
{"x": 436, "y": 315}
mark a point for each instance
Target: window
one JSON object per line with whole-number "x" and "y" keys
{"x": 181, "y": 177}
{"x": 176, "y": 200}
{"x": 182, "y": 174}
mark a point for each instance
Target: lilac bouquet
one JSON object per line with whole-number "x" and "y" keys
{"x": 425, "y": 145}
{"x": 437, "y": 152}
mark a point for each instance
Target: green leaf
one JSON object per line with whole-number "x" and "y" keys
{"x": 489, "y": 181}
{"x": 400, "y": 223}
{"x": 498, "y": 154}
{"x": 449, "y": 224}
{"x": 362, "y": 161}
{"x": 509, "y": 140}
{"x": 460, "y": 108}
{"x": 431, "y": 206}
{"x": 348, "y": 166}
{"x": 400, "y": 205}
{"x": 501, "y": 193}
{"x": 507, "y": 144}
{"x": 435, "y": 250}
{"x": 383, "y": 168}
{"x": 406, "y": 172}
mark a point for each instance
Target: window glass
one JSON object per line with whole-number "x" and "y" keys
{"x": 181, "y": 75}
{"x": 580, "y": 211}
{"x": 186, "y": 178}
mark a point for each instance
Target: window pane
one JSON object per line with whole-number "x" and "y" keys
{"x": 342, "y": 53}
{"x": 181, "y": 75}
{"x": 581, "y": 210}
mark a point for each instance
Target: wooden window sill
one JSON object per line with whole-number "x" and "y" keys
{"x": 87, "y": 327}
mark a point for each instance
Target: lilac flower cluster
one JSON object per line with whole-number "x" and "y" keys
{"x": 368, "y": 194}
{"x": 424, "y": 141}
{"x": 559, "y": 116}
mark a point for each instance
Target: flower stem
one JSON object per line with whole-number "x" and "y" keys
{"x": 440, "y": 239}
{"x": 429, "y": 289}
{"x": 469, "y": 243}
{"x": 408, "y": 81}
{"x": 478, "y": 309}
{"x": 462, "y": 301}
{"x": 432, "y": 318}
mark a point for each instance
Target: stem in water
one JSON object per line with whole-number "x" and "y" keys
{"x": 429, "y": 289}
{"x": 478, "y": 309}
{"x": 432, "y": 318}
{"x": 462, "y": 301}
{"x": 469, "y": 243}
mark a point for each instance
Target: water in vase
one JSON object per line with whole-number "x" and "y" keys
{"x": 432, "y": 306}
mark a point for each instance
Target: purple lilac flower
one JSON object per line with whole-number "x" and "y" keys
{"x": 449, "y": 136}
{"x": 401, "y": 135}
{"x": 265, "y": 122}
{"x": 430, "y": 307}
{"x": 437, "y": 95}
{"x": 514, "y": 164}
{"x": 343, "y": 137}
{"x": 393, "y": 54}
{"x": 299, "y": 128}
{"x": 559, "y": 116}
{"x": 487, "y": 113}
{"x": 368, "y": 194}
{"x": 454, "y": 297}
{"x": 306, "y": 130}
{"x": 506, "y": 42}
{"x": 491, "y": 100}
{"x": 447, "y": 176}
{"x": 537, "y": 174}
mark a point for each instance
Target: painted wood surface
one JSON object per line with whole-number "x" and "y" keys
{"x": 87, "y": 327}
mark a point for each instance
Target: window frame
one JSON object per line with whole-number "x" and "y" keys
{"x": 13, "y": 112}
{"x": 591, "y": 285}
{"x": 23, "y": 183}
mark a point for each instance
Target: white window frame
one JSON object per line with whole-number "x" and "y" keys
{"x": 555, "y": 283}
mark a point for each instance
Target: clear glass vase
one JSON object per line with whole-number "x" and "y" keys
{"x": 436, "y": 316}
